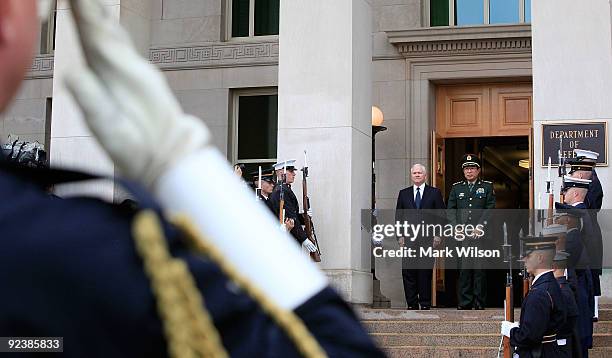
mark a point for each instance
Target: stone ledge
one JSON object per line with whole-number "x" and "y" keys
{"x": 471, "y": 40}
{"x": 215, "y": 55}
{"x": 42, "y": 67}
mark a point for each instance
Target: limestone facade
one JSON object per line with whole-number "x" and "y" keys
{"x": 189, "y": 40}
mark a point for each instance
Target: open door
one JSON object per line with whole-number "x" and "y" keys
{"x": 531, "y": 184}
{"x": 437, "y": 180}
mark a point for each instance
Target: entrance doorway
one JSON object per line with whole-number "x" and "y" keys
{"x": 494, "y": 122}
{"x": 500, "y": 157}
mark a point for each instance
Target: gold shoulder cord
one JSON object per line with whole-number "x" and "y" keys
{"x": 188, "y": 327}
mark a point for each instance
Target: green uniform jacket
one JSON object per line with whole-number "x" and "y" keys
{"x": 482, "y": 196}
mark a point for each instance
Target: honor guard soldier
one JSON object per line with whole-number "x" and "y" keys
{"x": 567, "y": 337}
{"x": 583, "y": 167}
{"x": 285, "y": 176}
{"x": 265, "y": 187}
{"x": 468, "y": 198}
{"x": 579, "y": 244}
{"x": 543, "y": 311}
{"x": 219, "y": 281}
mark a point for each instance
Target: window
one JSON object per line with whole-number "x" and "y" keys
{"x": 249, "y": 18}
{"x": 478, "y": 12}
{"x": 47, "y": 32}
{"x": 255, "y": 128}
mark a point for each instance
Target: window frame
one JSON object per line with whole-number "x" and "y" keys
{"x": 47, "y": 40}
{"x": 236, "y": 94}
{"x": 486, "y": 15}
{"x": 251, "y": 36}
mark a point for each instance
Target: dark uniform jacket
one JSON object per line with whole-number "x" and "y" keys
{"x": 69, "y": 268}
{"x": 593, "y": 201}
{"x": 266, "y": 202}
{"x": 482, "y": 196}
{"x": 543, "y": 314}
{"x": 568, "y": 331}
{"x": 292, "y": 210}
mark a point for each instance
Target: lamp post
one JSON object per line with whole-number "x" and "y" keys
{"x": 377, "y": 121}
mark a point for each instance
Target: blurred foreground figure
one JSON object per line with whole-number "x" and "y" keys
{"x": 116, "y": 282}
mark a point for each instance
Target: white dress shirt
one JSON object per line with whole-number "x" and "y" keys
{"x": 414, "y": 189}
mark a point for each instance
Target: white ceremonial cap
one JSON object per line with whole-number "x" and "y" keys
{"x": 289, "y": 164}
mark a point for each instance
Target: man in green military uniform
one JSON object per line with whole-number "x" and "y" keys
{"x": 470, "y": 194}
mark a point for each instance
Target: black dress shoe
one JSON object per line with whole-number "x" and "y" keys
{"x": 463, "y": 308}
{"x": 414, "y": 308}
{"x": 478, "y": 307}
{"x": 425, "y": 308}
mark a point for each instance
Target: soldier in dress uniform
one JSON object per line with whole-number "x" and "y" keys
{"x": 130, "y": 284}
{"x": 580, "y": 232}
{"x": 543, "y": 312}
{"x": 567, "y": 337}
{"x": 266, "y": 184}
{"x": 583, "y": 167}
{"x": 466, "y": 196}
{"x": 285, "y": 176}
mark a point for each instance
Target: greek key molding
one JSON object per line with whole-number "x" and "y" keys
{"x": 452, "y": 41}
{"x": 42, "y": 67}
{"x": 215, "y": 55}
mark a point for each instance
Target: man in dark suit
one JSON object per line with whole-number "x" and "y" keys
{"x": 417, "y": 276}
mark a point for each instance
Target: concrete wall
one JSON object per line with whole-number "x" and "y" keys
{"x": 572, "y": 78}
{"x": 185, "y": 21}
{"x": 26, "y": 115}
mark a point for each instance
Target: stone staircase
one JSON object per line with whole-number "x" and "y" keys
{"x": 451, "y": 333}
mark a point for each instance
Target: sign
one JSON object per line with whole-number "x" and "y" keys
{"x": 589, "y": 135}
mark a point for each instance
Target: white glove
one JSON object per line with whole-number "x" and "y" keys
{"x": 507, "y": 326}
{"x": 309, "y": 212}
{"x": 126, "y": 101}
{"x": 308, "y": 245}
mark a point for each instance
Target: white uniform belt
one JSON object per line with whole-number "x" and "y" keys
{"x": 549, "y": 338}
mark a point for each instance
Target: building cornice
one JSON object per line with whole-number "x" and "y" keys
{"x": 42, "y": 67}
{"x": 471, "y": 40}
{"x": 226, "y": 54}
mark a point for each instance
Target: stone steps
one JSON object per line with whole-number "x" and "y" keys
{"x": 463, "y": 351}
{"x": 452, "y": 339}
{"x": 451, "y": 327}
{"x": 452, "y": 333}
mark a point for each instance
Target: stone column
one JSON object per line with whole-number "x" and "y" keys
{"x": 72, "y": 144}
{"x": 325, "y": 108}
{"x": 572, "y": 81}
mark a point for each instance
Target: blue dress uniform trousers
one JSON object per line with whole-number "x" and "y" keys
{"x": 568, "y": 330}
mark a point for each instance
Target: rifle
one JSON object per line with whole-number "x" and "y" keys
{"x": 509, "y": 301}
{"x": 281, "y": 208}
{"x": 258, "y": 189}
{"x": 524, "y": 272}
{"x": 562, "y": 170}
{"x": 551, "y": 196}
{"x": 308, "y": 225}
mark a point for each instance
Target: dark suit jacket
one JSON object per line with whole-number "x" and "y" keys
{"x": 431, "y": 198}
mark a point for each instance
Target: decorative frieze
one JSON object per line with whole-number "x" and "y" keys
{"x": 215, "y": 55}
{"x": 469, "y": 47}
{"x": 42, "y": 67}
{"x": 452, "y": 41}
